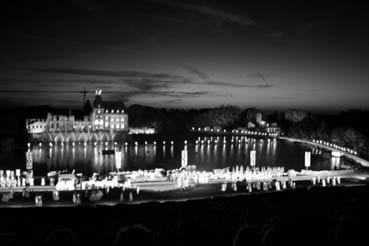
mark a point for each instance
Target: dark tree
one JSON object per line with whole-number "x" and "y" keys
{"x": 87, "y": 108}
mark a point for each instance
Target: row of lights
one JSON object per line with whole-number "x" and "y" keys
{"x": 350, "y": 151}
{"x": 154, "y": 142}
{"x": 255, "y": 133}
{"x": 232, "y": 141}
{"x": 210, "y": 130}
{"x": 106, "y": 143}
{"x": 112, "y": 111}
{"x": 238, "y": 131}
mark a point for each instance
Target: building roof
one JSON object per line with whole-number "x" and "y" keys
{"x": 98, "y": 102}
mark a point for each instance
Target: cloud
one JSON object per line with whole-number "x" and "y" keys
{"x": 258, "y": 76}
{"x": 39, "y": 91}
{"x": 125, "y": 85}
{"x": 212, "y": 12}
{"x": 162, "y": 94}
{"x": 228, "y": 84}
{"x": 195, "y": 71}
{"x": 138, "y": 80}
{"x": 171, "y": 101}
{"x": 109, "y": 73}
{"x": 174, "y": 94}
{"x": 190, "y": 94}
{"x": 145, "y": 84}
{"x": 144, "y": 81}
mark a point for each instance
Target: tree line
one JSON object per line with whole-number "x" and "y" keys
{"x": 347, "y": 128}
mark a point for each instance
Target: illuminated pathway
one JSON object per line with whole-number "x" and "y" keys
{"x": 353, "y": 157}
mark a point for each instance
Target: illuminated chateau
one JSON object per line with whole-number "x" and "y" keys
{"x": 106, "y": 122}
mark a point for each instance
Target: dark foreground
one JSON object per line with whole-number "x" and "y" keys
{"x": 315, "y": 216}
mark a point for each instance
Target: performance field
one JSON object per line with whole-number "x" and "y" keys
{"x": 176, "y": 185}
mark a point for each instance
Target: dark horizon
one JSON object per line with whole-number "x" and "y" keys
{"x": 78, "y": 105}
{"x": 186, "y": 54}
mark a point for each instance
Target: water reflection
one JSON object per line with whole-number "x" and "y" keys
{"x": 217, "y": 153}
{"x": 208, "y": 152}
{"x": 335, "y": 163}
{"x": 163, "y": 151}
{"x": 224, "y": 152}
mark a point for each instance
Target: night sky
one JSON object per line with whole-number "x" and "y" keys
{"x": 186, "y": 54}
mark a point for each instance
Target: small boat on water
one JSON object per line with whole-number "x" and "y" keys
{"x": 108, "y": 151}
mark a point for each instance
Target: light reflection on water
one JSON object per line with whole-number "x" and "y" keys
{"x": 216, "y": 154}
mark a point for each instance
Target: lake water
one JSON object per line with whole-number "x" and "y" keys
{"x": 88, "y": 159}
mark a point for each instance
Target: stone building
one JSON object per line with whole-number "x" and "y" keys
{"x": 35, "y": 126}
{"x": 106, "y": 119}
{"x": 107, "y": 115}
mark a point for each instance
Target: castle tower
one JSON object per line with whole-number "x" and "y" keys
{"x": 97, "y": 112}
